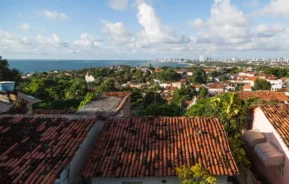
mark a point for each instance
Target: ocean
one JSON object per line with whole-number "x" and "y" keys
{"x": 38, "y": 65}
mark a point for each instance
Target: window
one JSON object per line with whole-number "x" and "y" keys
{"x": 134, "y": 182}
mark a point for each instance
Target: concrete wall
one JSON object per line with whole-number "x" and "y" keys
{"x": 126, "y": 108}
{"x": 4, "y": 107}
{"x": 262, "y": 124}
{"x": 71, "y": 174}
{"x": 148, "y": 180}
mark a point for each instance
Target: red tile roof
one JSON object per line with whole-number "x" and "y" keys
{"x": 144, "y": 146}
{"x": 264, "y": 95}
{"x": 278, "y": 115}
{"x": 247, "y": 86}
{"x": 22, "y": 147}
{"x": 216, "y": 86}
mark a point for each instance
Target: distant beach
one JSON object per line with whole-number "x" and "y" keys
{"x": 38, "y": 65}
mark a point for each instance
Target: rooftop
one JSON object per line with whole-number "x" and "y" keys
{"x": 264, "y": 95}
{"x": 145, "y": 146}
{"x": 107, "y": 104}
{"x": 25, "y": 140}
{"x": 278, "y": 115}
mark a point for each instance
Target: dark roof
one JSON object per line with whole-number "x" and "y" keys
{"x": 108, "y": 104}
{"x": 278, "y": 115}
{"x": 143, "y": 146}
{"x": 264, "y": 95}
{"x": 42, "y": 111}
{"x": 25, "y": 137}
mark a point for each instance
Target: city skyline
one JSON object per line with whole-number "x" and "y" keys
{"x": 139, "y": 29}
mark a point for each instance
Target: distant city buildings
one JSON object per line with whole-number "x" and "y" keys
{"x": 202, "y": 58}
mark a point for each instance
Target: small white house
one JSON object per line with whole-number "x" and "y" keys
{"x": 275, "y": 84}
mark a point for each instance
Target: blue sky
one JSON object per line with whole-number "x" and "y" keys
{"x": 143, "y": 29}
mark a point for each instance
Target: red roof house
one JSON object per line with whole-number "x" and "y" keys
{"x": 148, "y": 149}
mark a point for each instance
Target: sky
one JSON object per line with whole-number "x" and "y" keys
{"x": 143, "y": 29}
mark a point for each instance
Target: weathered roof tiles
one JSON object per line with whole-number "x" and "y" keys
{"x": 143, "y": 146}
{"x": 26, "y": 141}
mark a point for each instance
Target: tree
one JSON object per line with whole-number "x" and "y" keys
{"x": 7, "y": 74}
{"x": 152, "y": 97}
{"x": 262, "y": 84}
{"x": 160, "y": 109}
{"x": 199, "y": 77}
{"x": 88, "y": 97}
{"x": 203, "y": 92}
{"x": 106, "y": 86}
{"x": 278, "y": 72}
{"x": 168, "y": 75}
{"x": 184, "y": 93}
{"x": 232, "y": 112}
{"x": 19, "y": 107}
{"x": 195, "y": 175}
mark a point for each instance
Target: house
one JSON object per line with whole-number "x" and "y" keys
{"x": 146, "y": 150}
{"x": 89, "y": 78}
{"x": 264, "y": 95}
{"x": 108, "y": 104}
{"x": 247, "y": 74}
{"x": 229, "y": 88}
{"x": 7, "y": 98}
{"x": 215, "y": 88}
{"x": 28, "y": 143}
{"x": 170, "y": 89}
{"x": 177, "y": 84}
{"x": 275, "y": 84}
{"x": 190, "y": 72}
{"x": 269, "y": 142}
{"x": 247, "y": 87}
{"x": 181, "y": 71}
{"x": 197, "y": 86}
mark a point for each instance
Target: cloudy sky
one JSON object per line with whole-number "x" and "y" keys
{"x": 143, "y": 29}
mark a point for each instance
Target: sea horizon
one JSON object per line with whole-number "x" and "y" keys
{"x": 44, "y": 65}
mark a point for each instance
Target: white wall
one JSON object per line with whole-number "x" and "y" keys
{"x": 70, "y": 175}
{"x": 262, "y": 124}
{"x": 148, "y": 180}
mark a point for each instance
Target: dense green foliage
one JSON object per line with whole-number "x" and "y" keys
{"x": 182, "y": 94}
{"x": 107, "y": 85}
{"x": 199, "y": 77}
{"x": 88, "y": 97}
{"x": 278, "y": 72}
{"x": 196, "y": 174}
{"x": 7, "y": 74}
{"x": 203, "y": 92}
{"x": 232, "y": 112}
{"x": 262, "y": 84}
{"x": 160, "y": 109}
{"x": 168, "y": 75}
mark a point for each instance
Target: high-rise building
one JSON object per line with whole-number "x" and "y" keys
{"x": 202, "y": 58}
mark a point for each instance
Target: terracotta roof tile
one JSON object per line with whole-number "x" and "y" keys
{"x": 26, "y": 137}
{"x": 145, "y": 146}
{"x": 117, "y": 94}
{"x": 264, "y": 95}
{"x": 278, "y": 115}
{"x": 247, "y": 86}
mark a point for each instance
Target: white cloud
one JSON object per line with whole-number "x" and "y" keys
{"x": 154, "y": 31}
{"x": 118, "y": 4}
{"x": 24, "y": 27}
{"x": 277, "y": 8}
{"x": 197, "y": 23}
{"x": 54, "y": 15}
{"x": 226, "y": 25}
{"x": 117, "y": 32}
{"x": 87, "y": 40}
